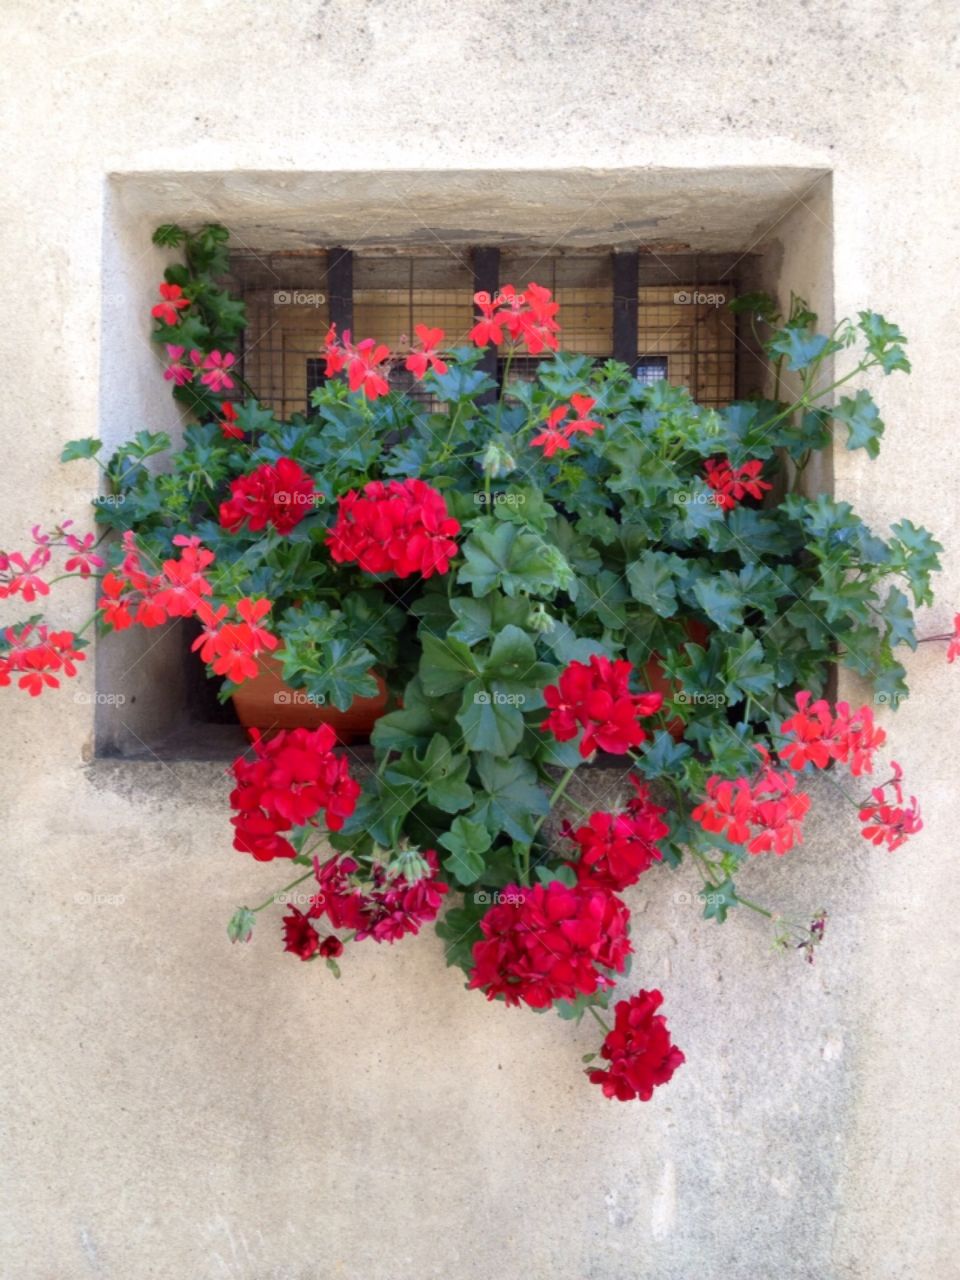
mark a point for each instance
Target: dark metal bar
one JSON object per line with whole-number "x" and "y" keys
{"x": 340, "y": 288}
{"x": 485, "y": 263}
{"x": 626, "y": 281}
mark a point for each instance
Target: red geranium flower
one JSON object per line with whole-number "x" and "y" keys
{"x": 378, "y": 904}
{"x": 396, "y": 526}
{"x": 176, "y": 371}
{"x": 595, "y": 697}
{"x": 83, "y": 560}
{"x": 365, "y": 363}
{"x": 34, "y": 653}
{"x": 279, "y": 495}
{"x": 550, "y": 943}
{"x": 228, "y": 422}
{"x": 428, "y": 352}
{"x": 764, "y": 813}
{"x": 216, "y": 371}
{"x": 292, "y": 778}
{"x": 819, "y": 735}
{"x": 616, "y": 848}
{"x": 887, "y": 819}
{"x": 638, "y": 1049}
{"x": 552, "y": 438}
{"x": 299, "y": 935}
{"x": 173, "y": 302}
{"x": 732, "y": 484}
{"x": 527, "y": 317}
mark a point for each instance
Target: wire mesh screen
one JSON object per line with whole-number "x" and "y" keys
{"x": 288, "y": 314}
{"x": 684, "y": 331}
{"x": 686, "y": 335}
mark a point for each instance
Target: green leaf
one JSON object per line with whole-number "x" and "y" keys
{"x": 718, "y": 900}
{"x": 800, "y": 347}
{"x": 87, "y": 447}
{"x": 168, "y": 236}
{"x": 513, "y": 800}
{"x": 445, "y": 664}
{"x": 460, "y": 929}
{"x": 467, "y": 841}
{"x": 899, "y": 617}
{"x": 721, "y": 599}
{"x": 491, "y": 720}
{"x": 502, "y": 555}
{"x": 652, "y": 579}
{"x": 564, "y": 874}
{"x": 862, "y": 418}
{"x": 884, "y": 342}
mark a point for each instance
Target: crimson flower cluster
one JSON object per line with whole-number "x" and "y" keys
{"x": 279, "y": 495}
{"x": 616, "y": 848}
{"x": 732, "y": 484}
{"x": 555, "y": 437}
{"x": 291, "y": 779}
{"x": 526, "y": 319}
{"x": 382, "y": 904}
{"x": 396, "y": 526}
{"x": 764, "y": 812}
{"x": 550, "y": 942}
{"x": 638, "y": 1049}
{"x": 886, "y": 818}
{"x": 595, "y": 697}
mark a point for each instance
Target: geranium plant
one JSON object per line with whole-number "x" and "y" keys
{"x": 544, "y": 573}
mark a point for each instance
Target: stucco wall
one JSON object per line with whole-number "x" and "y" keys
{"x": 177, "y": 1108}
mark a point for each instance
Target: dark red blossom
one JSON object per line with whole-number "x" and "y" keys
{"x": 596, "y": 698}
{"x": 291, "y": 780}
{"x": 279, "y": 495}
{"x": 550, "y": 942}
{"x": 818, "y": 735}
{"x": 733, "y": 484}
{"x": 638, "y": 1049}
{"x": 299, "y": 935}
{"x": 887, "y": 819}
{"x": 394, "y": 526}
{"x": 616, "y": 848}
{"x": 379, "y": 901}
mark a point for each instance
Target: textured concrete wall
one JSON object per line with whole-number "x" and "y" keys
{"x": 176, "y": 1108}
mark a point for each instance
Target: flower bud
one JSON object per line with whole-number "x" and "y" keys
{"x": 497, "y": 461}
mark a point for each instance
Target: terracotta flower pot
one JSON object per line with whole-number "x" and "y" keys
{"x": 657, "y": 680}
{"x": 269, "y": 704}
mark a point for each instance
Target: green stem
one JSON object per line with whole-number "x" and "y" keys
{"x": 292, "y": 885}
{"x": 603, "y": 1024}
